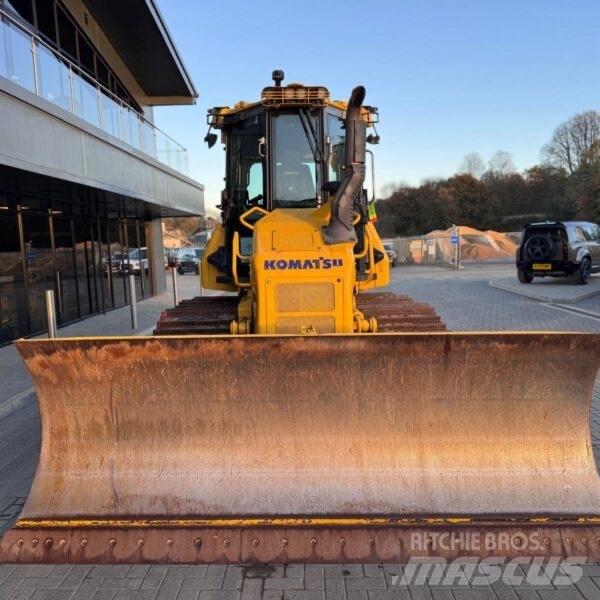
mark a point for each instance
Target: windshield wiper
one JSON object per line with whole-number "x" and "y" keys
{"x": 311, "y": 135}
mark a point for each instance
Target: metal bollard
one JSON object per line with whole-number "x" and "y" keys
{"x": 133, "y": 302}
{"x": 51, "y": 313}
{"x": 175, "y": 292}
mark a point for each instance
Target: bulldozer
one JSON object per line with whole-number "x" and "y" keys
{"x": 304, "y": 415}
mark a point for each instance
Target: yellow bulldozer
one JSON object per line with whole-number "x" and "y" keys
{"x": 303, "y": 415}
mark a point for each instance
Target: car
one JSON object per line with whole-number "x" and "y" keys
{"x": 392, "y": 254}
{"x": 559, "y": 249}
{"x": 114, "y": 265}
{"x": 138, "y": 261}
{"x": 188, "y": 260}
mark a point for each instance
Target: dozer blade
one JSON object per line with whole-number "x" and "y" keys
{"x": 315, "y": 448}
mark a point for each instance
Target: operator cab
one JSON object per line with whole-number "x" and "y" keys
{"x": 284, "y": 152}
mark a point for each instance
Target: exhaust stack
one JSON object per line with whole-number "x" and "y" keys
{"x": 340, "y": 229}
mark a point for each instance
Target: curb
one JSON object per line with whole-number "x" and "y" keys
{"x": 539, "y": 294}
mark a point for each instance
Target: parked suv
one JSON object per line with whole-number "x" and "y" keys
{"x": 570, "y": 248}
{"x": 188, "y": 260}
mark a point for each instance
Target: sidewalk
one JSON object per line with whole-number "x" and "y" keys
{"x": 16, "y": 389}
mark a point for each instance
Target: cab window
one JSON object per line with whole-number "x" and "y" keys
{"x": 336, "y": 149}
{"x": 295, "y": 180}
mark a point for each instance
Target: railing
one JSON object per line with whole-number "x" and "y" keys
{"x": 28, "y": 61}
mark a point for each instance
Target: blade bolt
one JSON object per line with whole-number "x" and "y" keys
{"x": 197, "y": 542}
{"x": 569, "y": 540}
{"x": 62, "y": 542}
{"x": 169, "y": 542}
{"x": 547, "y": 541}
{"x": 342, "y": 542}
{"x": 35, "y": 542}
{"x": 313, "y": 541}
{"x": 584, "y": 541}
{"x": 83, "y": 543}
{"x": 140, "y": 543}
{"x": 255, "y": 542}
{"x": 371, "y": 541}
{"x": 20, "y": 542}
{"x": 226, "y": 542}
{"x": 284, "y": 542}
{"x": 112, "y": 542}
{"x": 48, "y": 542}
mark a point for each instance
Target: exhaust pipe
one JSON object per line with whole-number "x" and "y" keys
{"x": 340, "y": 229}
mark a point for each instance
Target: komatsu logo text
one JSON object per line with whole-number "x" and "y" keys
{"x": 306, "y": 263}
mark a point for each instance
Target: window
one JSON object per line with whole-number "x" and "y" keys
{"x": 245, "y": 166}
{"x": 576, "y": 234}
{"x": 294, "y": 163}
{"x": 255, "y": 183}
{"x": 102, "y": 73}
{"x": 13, "y": 304}
{"x": 86, "y": 56}
{"x": 66, "y": 33}
{"x": 593, "y": 233}
{"x": 45, "y": 23}
{"x": 23, "y": 8}
{"x": 137, "y": 254}
{"x": 337, "y": 147}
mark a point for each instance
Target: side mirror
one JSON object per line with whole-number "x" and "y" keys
{"x": 211, "y": 139}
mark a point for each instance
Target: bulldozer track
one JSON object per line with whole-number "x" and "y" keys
{"x": 212, "y": 315}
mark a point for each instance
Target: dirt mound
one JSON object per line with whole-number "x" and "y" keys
{"x": 476, "y": 244}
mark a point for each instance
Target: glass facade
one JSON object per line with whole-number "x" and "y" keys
{"x": 58, "y": 72}
{"x": 84, "y": 258}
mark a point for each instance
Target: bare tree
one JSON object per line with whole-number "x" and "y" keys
{"x": 501, "y": 163}
{"x": 575, "y": 142}
{"x": 472, "y": 164}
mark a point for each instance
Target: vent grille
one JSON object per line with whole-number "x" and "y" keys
{"x": 305, "y": 297}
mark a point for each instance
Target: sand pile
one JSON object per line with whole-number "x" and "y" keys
{"x": 476, "y": 244}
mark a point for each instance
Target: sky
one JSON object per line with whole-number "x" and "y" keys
{"x": 449, "y": 77}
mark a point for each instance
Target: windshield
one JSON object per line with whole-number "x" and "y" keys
{"x": 135, "y": 254}
{"x": 190, "y": 253}
{"x": 295, "y": 170}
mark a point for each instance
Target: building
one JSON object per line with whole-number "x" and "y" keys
{"x": 85, "y": 176}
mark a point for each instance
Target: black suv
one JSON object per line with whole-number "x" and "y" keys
{"x": 559, "y": 250}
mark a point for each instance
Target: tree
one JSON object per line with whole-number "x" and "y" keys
{"x": 466, "y": 200}
{"x": 575, "y": 143}
{"x": 501, "y": 163}
{"x": 472, "y": 164}
{"x": 410, "y": 211}
{"x": 584, "y": 192}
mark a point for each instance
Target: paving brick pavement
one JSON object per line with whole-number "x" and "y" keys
{"x": 464, "y": 300}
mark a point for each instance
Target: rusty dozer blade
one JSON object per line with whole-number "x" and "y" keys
{"x": 316, "y": 448}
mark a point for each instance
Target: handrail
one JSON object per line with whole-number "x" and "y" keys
{"x": 77, "y": 70}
